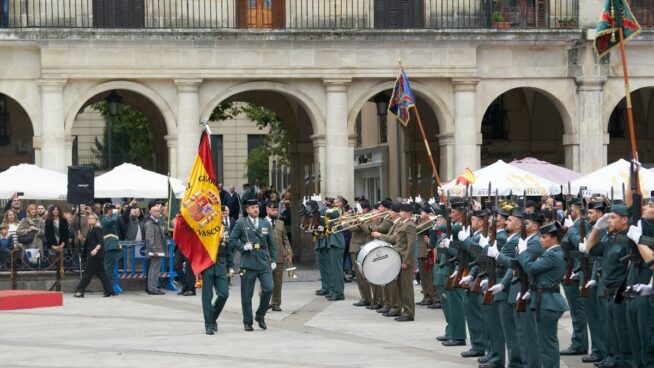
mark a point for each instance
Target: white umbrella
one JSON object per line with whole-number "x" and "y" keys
{"x": 613, "y": 175}
{"x": 132, "y": 181}
{"x": 34, "y": 182}
{"x": 506, "y": 179}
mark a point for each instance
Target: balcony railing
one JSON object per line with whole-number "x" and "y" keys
{"x": 292, "y": 14}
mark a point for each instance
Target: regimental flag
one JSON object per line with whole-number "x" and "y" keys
{"x": 468, "y": 177}
{"x": 198, "y": 228}
{"x": 615, "y": 14}
{"x": 402, "y": 99}
{"x": 173, "y": 207}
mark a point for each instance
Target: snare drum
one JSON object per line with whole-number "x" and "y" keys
{"x": 379, "y": 262}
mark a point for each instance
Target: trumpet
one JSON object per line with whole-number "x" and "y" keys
{"x": 362, "y": 218}
{"x": 427, "y": 224}
{"x": 290, "y": 270}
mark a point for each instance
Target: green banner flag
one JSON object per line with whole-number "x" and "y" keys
{"x": 173, "y": 207}
{"x": 615, "y": 14}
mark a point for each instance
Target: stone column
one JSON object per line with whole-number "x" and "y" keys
{"x": 319, "y": 159}
{"x": 339, "y": 162}
{"x": 171, "y": 142}
{"x": 591, "y": 124}
{"x": 53, "y": 139}
{"x": 36, "y": 143}
{"x": 467, "y": 136}
{"x": 188, "y": 125}
{"x": 446, "y": 165}
{"x": 69, "y": 150}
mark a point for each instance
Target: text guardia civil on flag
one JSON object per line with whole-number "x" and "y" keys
{"x": 199, "y": 229}
{"x": 402, "y": 99}
{"x": 615, "y": 14}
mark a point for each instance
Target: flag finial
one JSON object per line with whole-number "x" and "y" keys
{"x": 205, "y": 126}
{"x": 399, "y": 62}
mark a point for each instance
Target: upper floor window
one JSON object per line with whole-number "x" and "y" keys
{"x": 261, "y": 13}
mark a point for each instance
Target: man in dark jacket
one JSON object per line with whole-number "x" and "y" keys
{"x": 233, "y": 201}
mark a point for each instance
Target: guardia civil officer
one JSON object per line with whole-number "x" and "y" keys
{"x": 336, "y": 244}
{"x": 253, "y": 237}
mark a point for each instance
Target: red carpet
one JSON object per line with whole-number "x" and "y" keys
{"x": 23, "y": 299}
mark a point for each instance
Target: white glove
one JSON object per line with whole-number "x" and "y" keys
{"x": 418, "y": 199}
{"x": 483, "y": 241}
{"x": 321, "y": 229}
{"x": 247, "y": 246}
{"x": 466, "y": 280}
{"x": 522, "y": 245}
{"x": 643, "y": 289}
{"x": 582, "y": 245}
{"x": 603, "y": 222}
{"x": 231, "y": 272}
{"x": 492, "y": 251}
{"x": 526, "y": 296}
{"x": 273, "y": 266}
{"x": 445, "y": 243}
{"x": 464, "y": 233}
{"x": 431, "y": 201}
{"x": 568, "y": 222}
{"x": 591, "y": 284}
{"x": 497, "y": 288}
{"x": 453, "y": 275}
{"x": 574, "y": 276}
{"x": 409, "y": 200}
{"x": 635, "y": 232}
{"x": 517, "y": 299}
{"x": 483, "y": 283}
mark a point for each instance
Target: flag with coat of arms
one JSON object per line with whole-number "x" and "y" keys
{"x": 615, "y": 14}
{"x": 402, "y": 99}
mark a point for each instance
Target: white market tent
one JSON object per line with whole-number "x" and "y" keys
{"x": 35, "y": 182}
{"x": 132, "y": 181}
{"x": 506, "y": 179}
{"x": 613, "y": 175}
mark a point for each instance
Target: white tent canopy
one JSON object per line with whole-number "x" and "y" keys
{"x": 131, "y": 181}
{"x": 613, "y": 175}
{"x": 35, "y": 182}
{"x": 506, "y": 179}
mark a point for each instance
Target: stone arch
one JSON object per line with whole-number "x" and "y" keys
{"x": 611, "y": 100}
{"x": 139, "y": 88}
{"x": 30, "y": 110}
{"x": 619, "y": 138}
{"x": 438, "y": 105}
{"x": 308, "y": 104}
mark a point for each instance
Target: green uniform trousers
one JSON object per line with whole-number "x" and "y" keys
{"x": 510, "y": 333}
{"x": 610, "y": 339}
{"x": 110, "y": 259}
{"x": 405, "y": 288}
{"x": 548, "y": 340}
{"x": 445, "y": 306}
{"x": 336, "y": 272}
{"x": 364, "y": 286}
{"x": 640, "y": 324}
{"x": 427, "y": 280}
{"x": 525, "y": 323}
{"x": 277, "y": 276}
{"x": 617, "y": 321}
{"x": 457, "y": 320}
{"x": 596, "y": 319}
{"x": 214, "y": 278}
{"x": 247, "y": 291}
{"x": 579, "y": 340}
{"x": 472, "y": 310}
{"x": 494, "y": 334}
{"x": 323, "y": 267}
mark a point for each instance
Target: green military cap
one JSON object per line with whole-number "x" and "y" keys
{"x": 517, "y": 212}
{"x": 503, "y": 212}
{"x": 620, "y": 209}
{"x": 272, "y": 204}
{"x": 535, "y": 217}
{"x": 551, "y": 228}
{"x": 251, "y": 202}
{"x": 577, "y": 201}
{"x": 479, "y": 213}
{"x": 599, "y": 205}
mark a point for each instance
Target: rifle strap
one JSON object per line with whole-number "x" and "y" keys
{"x": 647, "y": 240}
{"x": 622, "y": 240}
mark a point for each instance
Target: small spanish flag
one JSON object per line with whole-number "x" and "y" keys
{"x": 468, "y": 177}
{"x": 198, "y": 228}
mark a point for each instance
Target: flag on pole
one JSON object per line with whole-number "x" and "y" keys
{"x": 467, "y": 177}
{"x": 615, "y": 14}
{"x": 402, "y": 99}
{"x": 173, "y": 207}
{"x": 198, "y": 228}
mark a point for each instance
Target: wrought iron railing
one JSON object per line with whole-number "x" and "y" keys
{"x": 292, "y": 14}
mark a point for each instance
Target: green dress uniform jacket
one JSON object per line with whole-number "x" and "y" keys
{"x": 472, "y": 306}
{"x": 579, "y": 339}
{"x": 244, "y": 232}
{"x": 506, "y": 244}
{"x": 545, "y": 273}
{"x": 111, "y": 247}
{"x": 336, "y": 245}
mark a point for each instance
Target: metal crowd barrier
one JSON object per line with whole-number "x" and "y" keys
{"x": 133, "y": 252}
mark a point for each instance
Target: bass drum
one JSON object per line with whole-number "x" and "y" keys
{"x": 379, "y": 262}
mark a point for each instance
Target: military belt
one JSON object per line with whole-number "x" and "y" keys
{"x": 539, "y": 297}
{"x": 609, "y": 292}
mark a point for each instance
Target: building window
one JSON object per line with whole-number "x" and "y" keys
{"x": 5, "y": 137}
{"x": 358, "y": 132}
{"x": 617, "y": 122}
{"x": 118, "y": 14}
{"x": 218, "y": 156}
{"x": 399, "y": 14}
{"x": 261, "y": 13}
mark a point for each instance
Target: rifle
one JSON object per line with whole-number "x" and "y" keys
{"x": 633, "y": 255}
{"x": 490, "y": 265}
{"x": 584, "y": 259}
{"x": 521, "y": 306}
{"x": 476, "y": 286}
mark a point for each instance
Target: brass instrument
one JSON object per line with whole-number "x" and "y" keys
{"x": 427, "y": 224}
{"x": 291, "y": 268}
{"x": 357, "y": 220}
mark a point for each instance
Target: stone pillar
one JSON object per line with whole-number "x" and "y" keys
{"x": 69, "y": 150}
{"x": 171, "y": 142}
{"x": 467, "y": 136}
{"x": 446, "y": 165}
{"x": 53, "y": 138}
{"x": 339, "y": 163}
{"x": 38, "y": 154}
{"x": 319, "y": 159}
{"x": 591, "y": 123}
{"x": 188, "y": 125}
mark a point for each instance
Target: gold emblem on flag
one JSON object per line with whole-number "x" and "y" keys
{"x": 200, "y": 206}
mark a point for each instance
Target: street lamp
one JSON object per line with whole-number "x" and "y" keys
{"x": 113, "y": 104}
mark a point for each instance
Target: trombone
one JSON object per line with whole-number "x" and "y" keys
{"x": 357, "y": 220}
{"x": 427, "y": 224}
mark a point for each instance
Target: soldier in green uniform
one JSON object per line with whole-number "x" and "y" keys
{"x": 382, "y": 225}
{"x": 614, "y": 272}
{"x": 579, "y": 340}
{"x": 508, "y": 232}
{"x": 392, "y": 304}
{"x": 545, "y": 272}
{"x": 283, "y": 250}
{"x": 336, "y": 244}
{"x": 253, "y": 237}
{"x": 322, "y": 250}
{"x": 215, "y": 277}
{"x": 109, "y": 223}
{"x": 426, "y": 265}
{"x": 358, "y": 240}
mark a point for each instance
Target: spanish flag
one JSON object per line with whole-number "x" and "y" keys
{"x": 468, "y": 177}
{"x": 198, "y": 229}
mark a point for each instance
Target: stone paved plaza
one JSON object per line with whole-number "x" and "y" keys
{"x": 138, "y": 330}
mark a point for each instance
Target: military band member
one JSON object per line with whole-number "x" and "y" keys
{"x": 216, "y": 278}
{"x": 425, "y": 263}
{"x": 358, "y": 240}
{"x": 321, "y": 247}
{"x": 403, "y": 237}
{"x": 545, "y": 273}
{"x": 253, "y": 237}
{"x": 579, "y": 340}
{"x": 336, "y": 244}
{"x": 283, "y": 250}
{"x": 392, "y": 302}
{"x": 382, "y": 225}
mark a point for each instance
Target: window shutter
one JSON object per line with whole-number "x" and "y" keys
{"x": 279, "y": 14}
{"x": 380, "y": 17}
{"x": 242, "y": 9}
